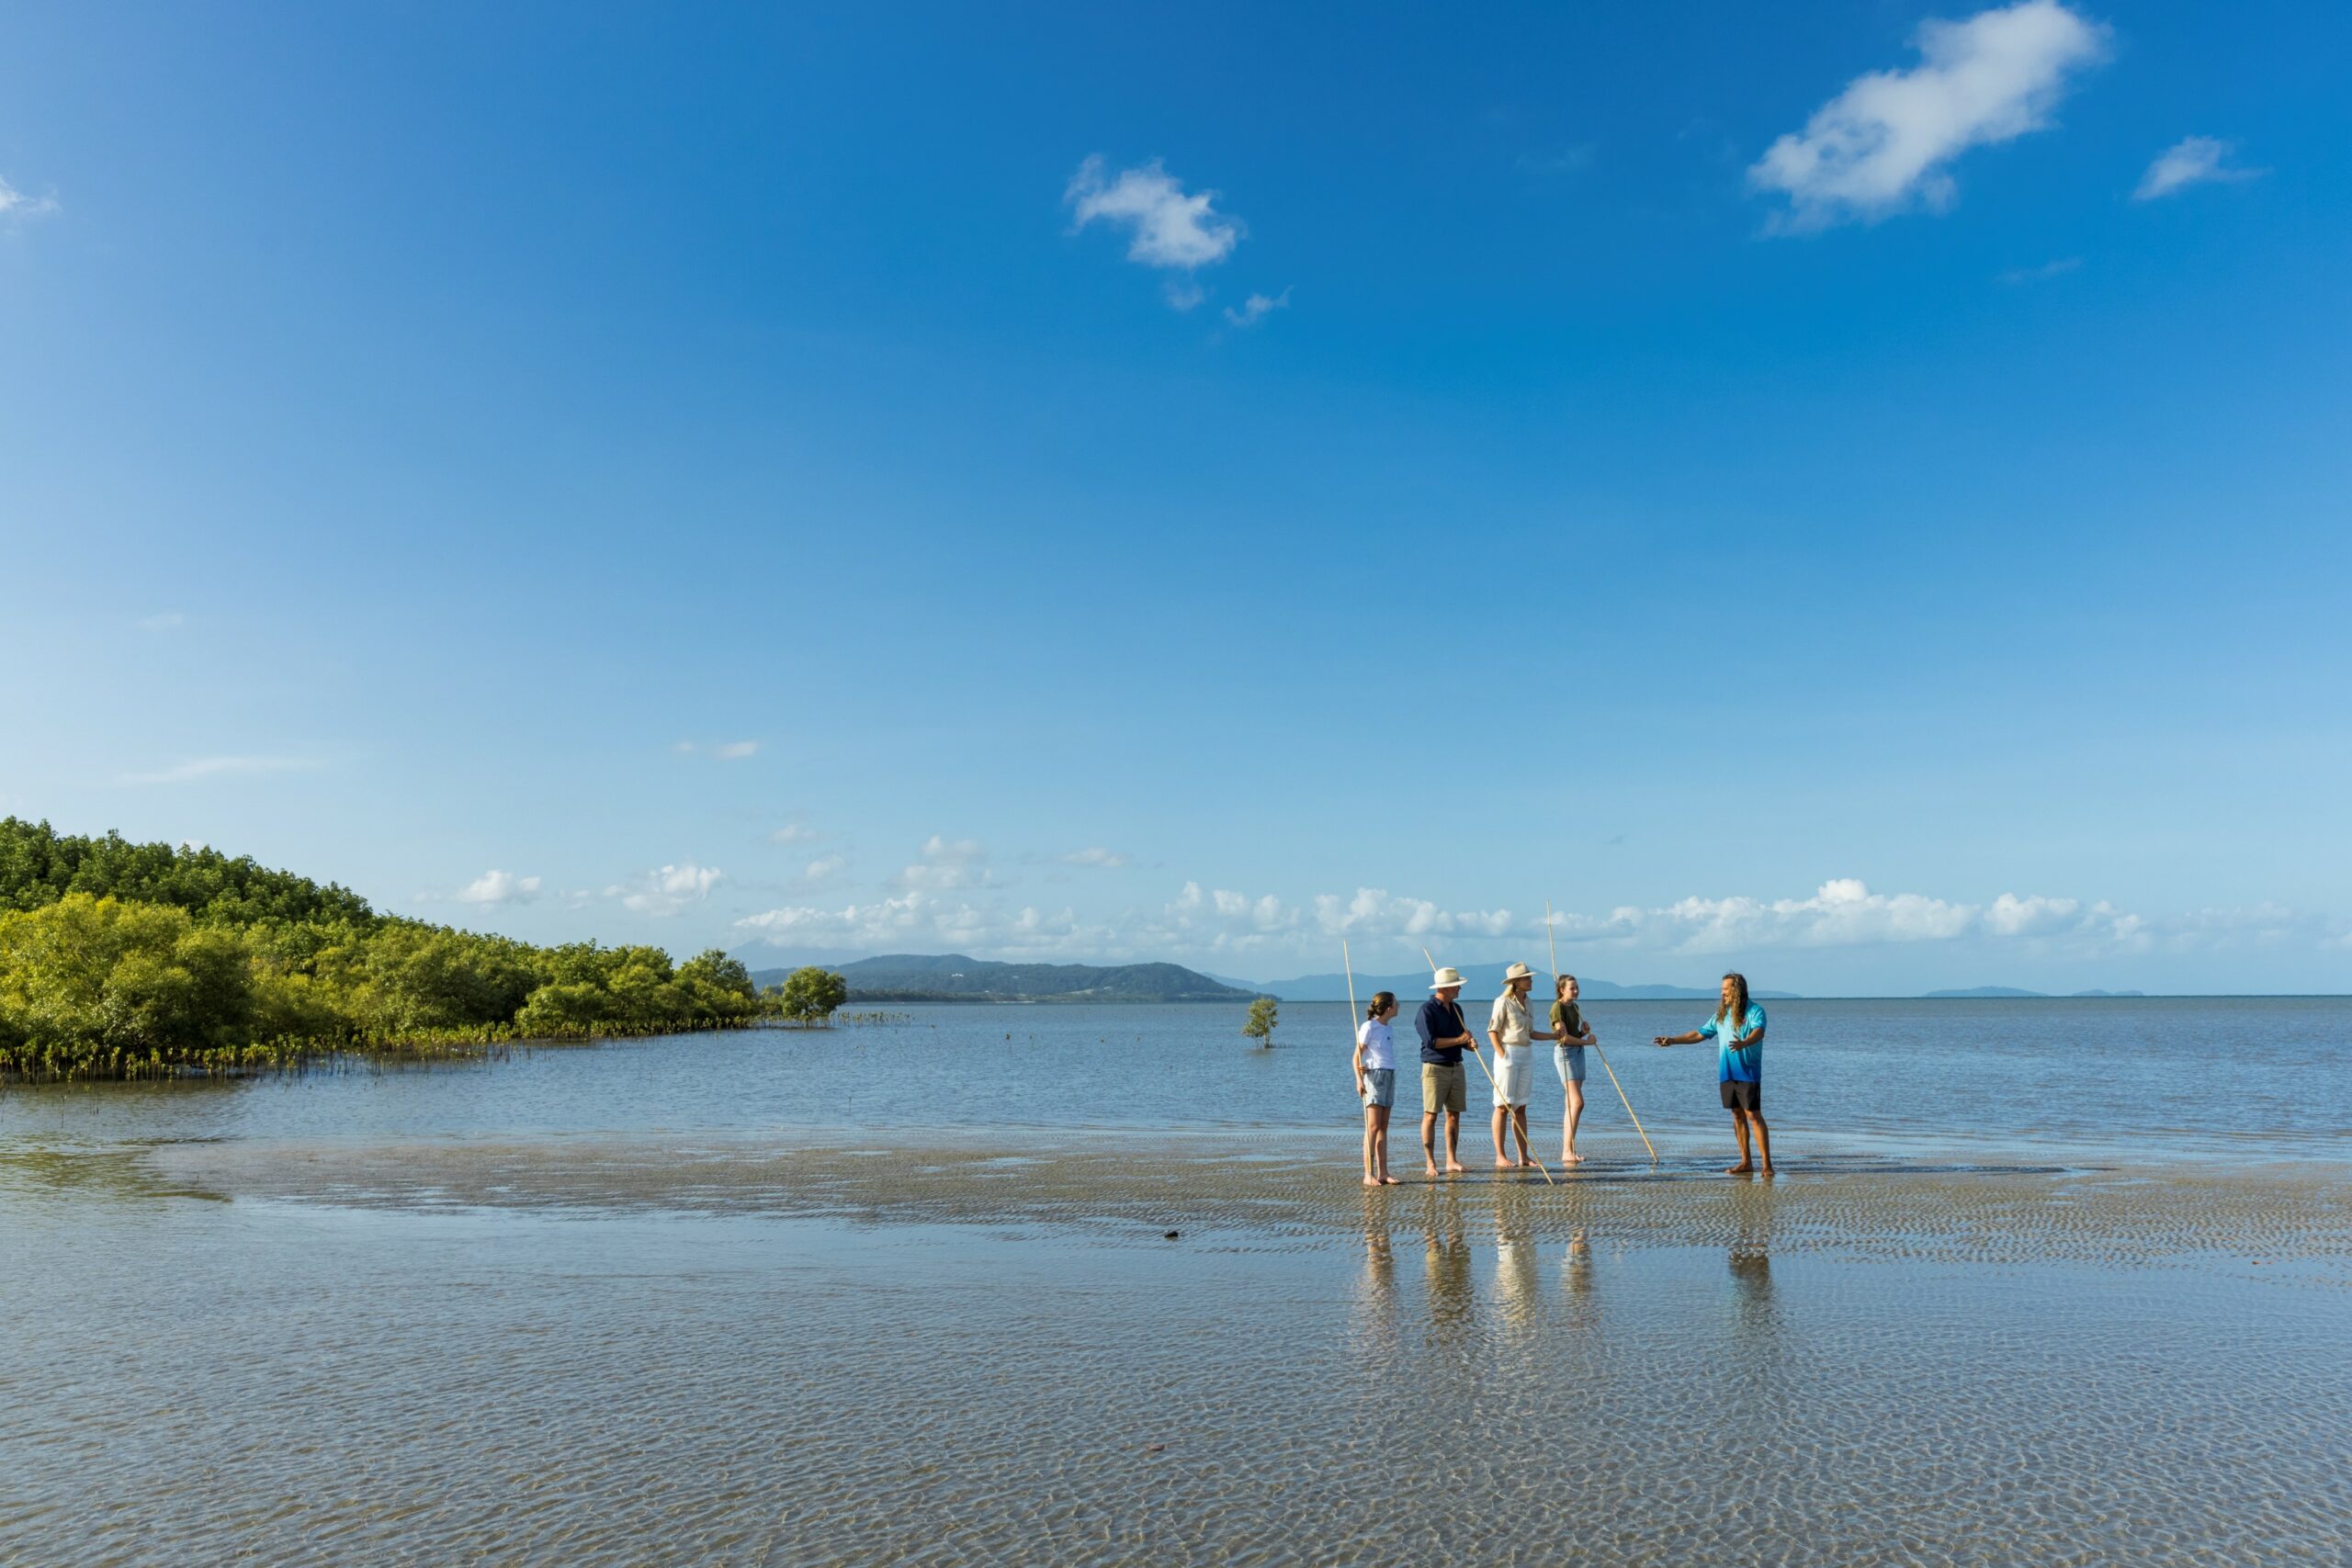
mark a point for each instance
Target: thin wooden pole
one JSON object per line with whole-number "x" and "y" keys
{"x": 1478, "y": 1056}
{"x": 1596, "y": 1044}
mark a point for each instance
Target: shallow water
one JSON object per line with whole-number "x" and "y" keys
{"x": 696, "y": 1301}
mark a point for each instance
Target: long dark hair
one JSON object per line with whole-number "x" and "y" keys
{"x": 1736, "y": 979}
{"x": 1380, "y": 1003}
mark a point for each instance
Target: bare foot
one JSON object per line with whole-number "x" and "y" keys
{"x": 1456, "y": 1168}
{"x": 1502, "y": 1164}
{"x": 1528, "y": 1162}
{"x": 1432, "y": 1167}
{"x": 1368, "y": 1181}
{"x": 1393, "y": 1181}
{"x": 1742, "y": 1168}
{"x": 1768, "y": 1168}
{"x": 1569, "y": 1157}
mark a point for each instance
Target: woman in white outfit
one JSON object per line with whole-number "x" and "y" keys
{"x": 1513, "y": 1034}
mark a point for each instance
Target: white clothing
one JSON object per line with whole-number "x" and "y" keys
{"x": 1513, "y": 1074}
{"x": 1379, "y": 1043}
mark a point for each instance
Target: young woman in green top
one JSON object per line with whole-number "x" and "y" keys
{"x": 1570, "y": 1035}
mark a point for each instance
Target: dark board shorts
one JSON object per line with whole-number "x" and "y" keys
{"x": 1742, "y": 1095}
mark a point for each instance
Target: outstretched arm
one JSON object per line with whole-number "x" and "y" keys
{"x": 1677, "y": 1039}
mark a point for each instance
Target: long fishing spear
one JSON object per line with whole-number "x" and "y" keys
{"x": 1605, "y": 1067}
{"x": 1481, "y": 1060}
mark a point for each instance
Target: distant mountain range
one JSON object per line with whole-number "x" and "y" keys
{"x": 952, "y": 976}
{"x": 1997, "y": 991}
{"x": 1481, "y": 981}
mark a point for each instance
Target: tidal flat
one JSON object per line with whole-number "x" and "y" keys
{"x": 665, "y": 1349}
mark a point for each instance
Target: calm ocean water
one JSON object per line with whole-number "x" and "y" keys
{"x": 2230, "y": 1077}
{"x": 903, "y": 1292}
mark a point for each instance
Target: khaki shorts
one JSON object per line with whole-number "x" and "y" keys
{"x": 1443, "y": 1088}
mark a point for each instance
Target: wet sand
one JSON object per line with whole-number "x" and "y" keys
{"x": 608, "y": 1350}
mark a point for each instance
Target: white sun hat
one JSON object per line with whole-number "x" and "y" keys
{"x": 1448, "y": 975}
{"x": 1518, "y": 972}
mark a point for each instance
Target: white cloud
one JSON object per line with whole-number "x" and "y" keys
{"x": 2192, "y": 160}
{"x": 169, "y": 620}
{"x": 668, "y": 890}
{"x": 1106, "y": 860}
{"x": 1256, "y": 307}
{"x": 499, "y": 888}
{"x": 824, "y": 868}
{"x": 1165, "y": 227}
{"x": 794, "y": 832}
{"x": 1183, "y": 294}
{"x": 2043, "y": 273}
{"x": 1881, "y": 146}
{"x": 15, "y": 204}
{"x": 1374, "y": 911}
{"x": 944, "y": 866}
{"x": 735, "y": 751}
{"x": 199, "y": 768}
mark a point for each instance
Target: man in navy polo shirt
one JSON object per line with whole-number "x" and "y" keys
{"x": 1445, "y": 1034}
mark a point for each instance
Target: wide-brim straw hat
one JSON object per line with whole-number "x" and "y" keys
{"x": 1518, "y": 972}
{"x": 1445, "y": 977}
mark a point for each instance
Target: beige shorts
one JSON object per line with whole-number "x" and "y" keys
{"x": 1443, "y": 1088}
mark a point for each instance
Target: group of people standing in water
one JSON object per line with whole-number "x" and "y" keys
{"x": 1736, "y": 1026}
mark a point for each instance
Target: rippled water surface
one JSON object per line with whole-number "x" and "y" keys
{"x": 903, "y": 1293}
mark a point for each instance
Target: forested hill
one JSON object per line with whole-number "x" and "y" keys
{"x": 907, "y": 977}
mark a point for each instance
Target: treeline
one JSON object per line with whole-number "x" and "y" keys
{"x": 119, "y": 959}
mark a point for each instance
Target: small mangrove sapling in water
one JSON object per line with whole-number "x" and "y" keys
{"x": 1260, "y": 1026}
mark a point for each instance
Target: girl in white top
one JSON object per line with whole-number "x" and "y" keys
{"x": 1375, "y": 1063}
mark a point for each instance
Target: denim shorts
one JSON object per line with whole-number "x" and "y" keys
{"x": 1380, "y": 1086}
{"x": 1569, "y": 1059}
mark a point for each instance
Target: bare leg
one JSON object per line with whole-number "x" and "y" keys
{"x": 1370, "y": 1121}
{"x": 1380, "y": 1148}
{"x": 1763, "y": 1139}
{"x": 1518, "y": 1126}
{"x": 1502, "y": 1116}
{"x": 1739, "y": 1127}
{"x": 1568, "y": 1155}
{"x": 1428, "y": 1139}
{"x": 1453, "y": 1166}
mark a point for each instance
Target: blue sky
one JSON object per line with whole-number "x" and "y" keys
{"x": 1853, "y": 491}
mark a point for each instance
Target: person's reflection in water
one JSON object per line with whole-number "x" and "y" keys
{"x": 1515, "y": 1286}
{"x": 1448, "y": 1264}
{"x": 1577, "y": 1281}
{"x": 1376, "y": 1294}
{"x": 1751, "y": 1266}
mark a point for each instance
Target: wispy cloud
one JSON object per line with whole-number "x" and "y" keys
{"x": 197, "y": 769}
{"x": 823, "y": 869}
{"x": 1883, "y": 145}
{"x": 1166, "y": 226}
{"x": 498, "y": 888}
{"x": 944, "y": 865}
{"x": 15, "y": 204}
{"x": 2192, "y": 160}
{"x": 2043, "y": 273}
{"x": 735, "y": 751}
{"x": 1256, "y": 307}
{"x": 668, "y": 890}
{"x": 1106, "y": 860}
{"x": 169, "y": 620}
{"x": 794, "y": 832}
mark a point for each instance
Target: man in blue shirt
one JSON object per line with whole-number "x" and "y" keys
{"x": 1445, "y": 1034}
{"x": 1737, "y": 1030}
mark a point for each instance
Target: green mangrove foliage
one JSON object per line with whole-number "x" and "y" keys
{"x": 119, "y": 959}
{"x": 808, "y": 995}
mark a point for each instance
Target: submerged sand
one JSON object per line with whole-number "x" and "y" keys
{"x": 2201, "y": 1214}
